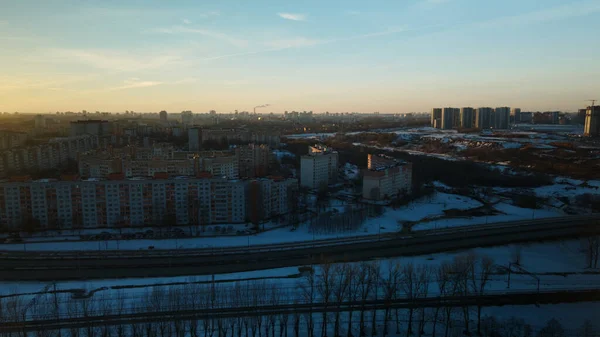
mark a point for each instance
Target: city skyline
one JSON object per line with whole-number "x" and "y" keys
{"x": 340, "y": 56}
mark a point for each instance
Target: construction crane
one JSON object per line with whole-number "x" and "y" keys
{"x": 593, "y": 102}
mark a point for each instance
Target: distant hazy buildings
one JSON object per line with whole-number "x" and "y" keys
{"x": 194, "y": 139}
{"x": 592, "y": 122}
{"x": 90, "y": 127}
{"x": 467, "y": 117}
{"x": 386, "y": 178}
{"x": 39, "y": 121}
{"x": 53, "y": 154}
{"x": 187, "y": 117}
{"x": 319, "y": 168}
{"x": 516, "y": 115}
{"x": 11, "y": 139}
{"x": 163, "y": 116}
{"x": 197, "y": 137}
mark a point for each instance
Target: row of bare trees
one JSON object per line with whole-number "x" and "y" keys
{"x": 330, "y": 285}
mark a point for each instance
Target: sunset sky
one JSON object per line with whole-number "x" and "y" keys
{"x": 365, "y": 56}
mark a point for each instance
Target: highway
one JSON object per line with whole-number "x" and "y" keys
{"x": 492, "y": 299}
{"x": 47, "y": 266}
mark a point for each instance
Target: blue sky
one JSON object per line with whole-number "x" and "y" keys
{"x": 387, "y": 56}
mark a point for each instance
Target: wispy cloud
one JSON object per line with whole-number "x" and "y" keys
{"x": 301, "y": 42}
{"x": 112, "y": 60}
{"x": 352, "y": 12}
{"x": 567, "y": 11}
{"x": 3, "y": 23}
{"x": 292, "y": 16}
{"x": 186, "y": 22}
{"x": 136, "y": 83}
{"x": 204, "y": 32}
{"x": 296, "y": 42}
{"x": 209, "y": 14}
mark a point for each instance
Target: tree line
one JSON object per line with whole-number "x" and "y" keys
{"x": 328, "y": 284}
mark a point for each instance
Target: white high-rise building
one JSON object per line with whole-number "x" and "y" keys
{"x": 319, "y": 168}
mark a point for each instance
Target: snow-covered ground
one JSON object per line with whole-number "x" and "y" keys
{"x": 351, "y": 171}
{"x": 545, "y": 260}
{"x": 390, "y": 221}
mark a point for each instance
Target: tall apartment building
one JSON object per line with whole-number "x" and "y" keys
{"x": 592, "y": 122}
{"x": 483, "y": 117}
{"x": 319, "y": 168}
{"x": 98, "y": 128}
{"x": 253, "y": 160}
{"x": 96, "y": 203}
{"x": 163, "y": 116}
{"x": 39, "y": 121}
{"x": 501, "y": 118}
{"x": 386, "y": 178}
{"x": 12, "y": 139}
{"x": 194, "y": 140}
{"x": 467, "y": 117}
{"x": 268, "y": 198}
{"x": 516, "y": 115}
{"x": 436, "y": 118}
{"x": 449, "y": 118}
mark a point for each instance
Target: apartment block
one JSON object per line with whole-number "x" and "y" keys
{"x": 98, "y": 128}
{"x": 467, "y": 117}
{"x": 386, "y": 178}
{"x": 253, "y": 160}
{"x": 12, "y": 139}
{"x": 319, "y": 168}
{"x": 501, "y": 118}
{"x": 269, "y": 198}
{"x": 93, "y": 203}
{"x": 592, "y": 122}
{"x": 46, "y": 156}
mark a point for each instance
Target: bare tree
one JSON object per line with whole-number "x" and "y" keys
{"x": 442, "y": 277}
{"x": 308, "y": 291}
{"x": 353, "y": 291}
{"x": 480, "y": 275}
{"x": 462, "y": 267}
{"x": 390, "y": 282}
{"x": 587, "y": 329}
{"x": 423, "y": 280}
{"x": 341, "y": 283}
{"x": 516, "y": 255}
{"x": 552, "y": 329}
{"x": 591, "y": 248}
{"x": 325, "y": 282}
{"x": 365, "y": 282}
{"x": 376, "y": 275}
